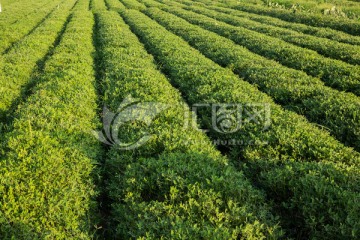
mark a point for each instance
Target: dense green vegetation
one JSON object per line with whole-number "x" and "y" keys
{"x": 289, "y": 138}
{"x": 13, "y": 11}
{"x": 334, "y": 8}
{"x": 334, "y": 73}
{"x": 296, "y": 91}
{"x": 303, "y": 28}
{"x": 46, "y": 183}
{"x": 342, "y": 24}
{"x": 24, "y": 24}
{"x": 346, "y": 25}
{"x": 328, "y": 48}
{"x": 17, "y": 66}
{"x": 175, "y": 179}
{"x": 187, "y": 119}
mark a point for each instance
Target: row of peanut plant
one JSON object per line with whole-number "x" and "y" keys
{"x": 19, "y": 65}
{"x": 293, "y": 89}
{"x": 341, "y": 24}
{"x": 98, "y": 6}
{"x": 176, "y": 185}
{"x": 46, "y": 178}
{"x": 334, "y": 73}
{"x": 315, "y": 31}
{"x": 12, "y": 33}
{"x": 301, "y": 167}
{"x": 299, "y": 27}
{"x": 332, "y": 49}
{"x": 133, "y": 5}
{"x": 13, "y": 12}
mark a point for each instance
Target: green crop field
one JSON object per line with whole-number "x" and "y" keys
{"x": 179, "y": 119}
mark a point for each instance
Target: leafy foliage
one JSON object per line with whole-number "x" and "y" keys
{"x": 332, "y": 49}
{"x": 317, "y": 20}
{"x": 334, "y": 73}
{"x": 23, "y": 17}
{"x": 291, "y": 177}
{"x": 290, "y": 139}
{"x": 303, "y": 28}
{"x": 46, "y": 177}
{"x": 176, "y": 185}
{"x": 294, "y": 90}
{"x": 21, "y": 61}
